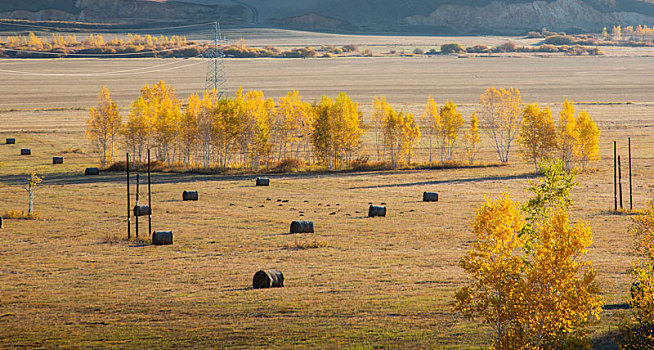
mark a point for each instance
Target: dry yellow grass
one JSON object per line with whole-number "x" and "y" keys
{"x": 71, "y": 280}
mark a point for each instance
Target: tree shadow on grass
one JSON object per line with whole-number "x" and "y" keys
{"x": 609, "y": 340}
{"x": 452, "y": 181}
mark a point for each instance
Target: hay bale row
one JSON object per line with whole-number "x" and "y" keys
{"x": 10, "y": 141}
{"x": 162, "y": 237}
{"x": 190, "y": 196}
{"x": 376, "y": 210}
{"x": 267, "y": 279}
{"x": 57, "y": 160}
{"x": 263, "y": 181}
{"x": 302, "y": 226}
{"x": 25, "y": 151}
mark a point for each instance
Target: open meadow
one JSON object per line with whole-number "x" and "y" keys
{"x": 69, "y": 280}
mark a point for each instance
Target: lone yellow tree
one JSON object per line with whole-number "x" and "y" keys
{"x": 530, "y": 280}
{"x": 587, "y": 147}
{"x": 32, "y": 182}
{"x": 104, "y": 125}
{"x": 537, "y": 135}
{"x": 495, "y": 265}
{"x": 500, "y": 112}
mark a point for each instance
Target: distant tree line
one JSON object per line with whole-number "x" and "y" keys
{"x": 249, "y": 131}
{"x": 135, "y": 45}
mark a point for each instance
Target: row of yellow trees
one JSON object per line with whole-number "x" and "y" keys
{"x": 247, "y": 130}
{"x": 250, "y": 130}
{"x": 57, "y": 41}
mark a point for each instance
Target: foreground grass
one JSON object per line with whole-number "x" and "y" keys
{"x": 71, "y": 279}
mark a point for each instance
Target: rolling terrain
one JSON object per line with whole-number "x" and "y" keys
{"x": 413, "y": 16}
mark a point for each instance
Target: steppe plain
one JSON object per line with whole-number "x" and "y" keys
{"x": 380, "y": 283}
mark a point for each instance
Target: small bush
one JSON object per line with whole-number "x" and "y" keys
{"x": 478, "y": 49}
{"x": 350, "y": 48}
{"x": 452, "y": 48}
{"x": 20, "y": 215}
{"x": 288, "y": 165}
{"x": 111, "y": 238}
{"x": 508, "y": 46}
{"x": 419, "y": 51}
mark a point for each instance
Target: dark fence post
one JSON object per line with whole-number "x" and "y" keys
{"x": 631, "y": 203}
{"x": 620, "y": 181}
{"x": 129, "y": 209}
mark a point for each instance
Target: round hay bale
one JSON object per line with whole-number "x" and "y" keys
{"x": 162, "y": 237}
{"x": 142, "y": 210}
{"x": 268, "y": 279}
{"x": 92, "y": 171}
{"x": 57, "y": 160}
{"x": 263, "y": 181}
{"x": 376, "y": 210}
{"x": 302, "y": 226}
{"x": 25, "y": 151}
{"x": 430, "y": 197}
{"x": 10, "y": 141}
{"x": 190, "y": 195}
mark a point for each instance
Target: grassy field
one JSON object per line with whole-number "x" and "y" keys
{"x": 380, "y": 283}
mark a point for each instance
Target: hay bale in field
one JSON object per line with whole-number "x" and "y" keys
{"x": 376, "y": 210}
{"x": 430, "y": 197}
{"x": 57, "y": 160}
{"x": 302, "y": 226}
{"x": 162, "y": 237}
{"x": 25, "y": 151}
{"x": 263, "y": 181}
{"x": 0, "y": 221}
{"x": 142, "y": 210}
{"x": 10, "y": 141}
{"x": 92, "y": 171}
{"x": 268, "y": 279}
{"x": 190, "y": 195}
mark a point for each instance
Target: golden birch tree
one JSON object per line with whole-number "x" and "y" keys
{"x": 380, "y": 111}
{"x": 529, "y": 278}
{"x": 450, "y": 123}
{"x": 567, "y": 136}
{"x": 537, "y": 136}
{"x": 188, "y": 128}
{"x": 410, "y": 135}
{"x": 431, "y": 119}
{"x": 103, "y": 125}
{"x": 472, "y": 139}
{"x": 500, "y": 112}
{"x": 587, "y": 147}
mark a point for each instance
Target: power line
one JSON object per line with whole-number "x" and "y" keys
{"x": 99, "y": 54}
{"x": 144, "y": 70}
{"x": 105, "y": 30}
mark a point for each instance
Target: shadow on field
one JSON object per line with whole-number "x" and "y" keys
{"x": 167, "y": 178}
{"x": 440, "y": 182}
{"x": 609, "y": 340}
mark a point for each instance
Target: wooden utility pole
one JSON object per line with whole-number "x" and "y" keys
{"x": 149, "y": 198}
{"x": 631, "y": 203}
{"x": 129, "y": 209}
{"x": 615, "y": 177}
{"x": 620, "y": 181}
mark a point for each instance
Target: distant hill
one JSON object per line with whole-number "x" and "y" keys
{"x": 380, "y": 16}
